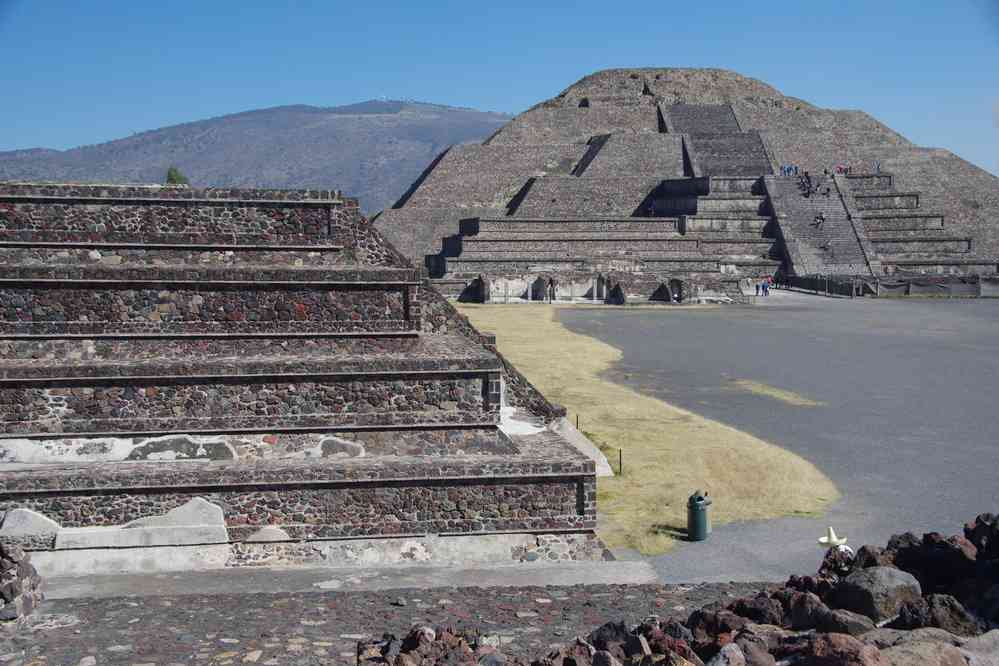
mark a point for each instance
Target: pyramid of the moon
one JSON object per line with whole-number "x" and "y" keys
{"x": 632, "y": 180}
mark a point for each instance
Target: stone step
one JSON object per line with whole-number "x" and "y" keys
{"x": 704, "y": 185}
{"x": 442, "y": 380}
{"x": 887, "y": 201}
{"x": 940, "y": 265}
{"x": 196, "y": 274}
{"x": 728, "y": 154}
{"x": 318, "y": 497}
{"x": 39, "y": 213}
{"x": 908, "y": 245}
{"x": 731, "y": 203}
{"x": 546, "y": 226}
{"x": 566, "y": 196}
{"x": 176, "y": 255}
{"x": 123, "y": 300}
{"x": 687, "y": 118}
{"x": 61, "y": 358}
{"x": 902, "y": 221}
{"x": 157, "y": 345}
{"x": 490, "y": 238}
{"x": 865, "y": 182}
{"x": 723, "y": 223}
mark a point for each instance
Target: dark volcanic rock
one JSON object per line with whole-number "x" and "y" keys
{"x": 761, "y": 609}
{"x": 873, "y": 556}
{"x": 923, "y": 654}
{"x": 842, "y": 621}
{"x": 20, "y": 585}
{"x": 829, "y": 650}
{"x": 755, "y": 651}
{"x": 807, "y": 610}
{"x": 877, "y": 592}
{"x": 713, "y": 629}
{"x": 937, "y": 610}
{"x": 983, "y": 532}
{"x": 729, "y": 655}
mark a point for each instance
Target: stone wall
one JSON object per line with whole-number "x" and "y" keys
{"x": 439, "y": 316}
{"x": 252, "y": 404}
{"x": 100, "y": 214}
{"x": 118, "y": 307}
{"x": 153, "y": 354}
{"x": 543, "y": 488}
{"x": 256, "y": 447}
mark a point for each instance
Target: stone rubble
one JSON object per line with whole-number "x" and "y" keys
{"x": 929, "y": 601}
{"x": 20, "y": 585}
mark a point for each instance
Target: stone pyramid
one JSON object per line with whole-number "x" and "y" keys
{"x": 220, "y": 370}
{"x": 633, "y": 180}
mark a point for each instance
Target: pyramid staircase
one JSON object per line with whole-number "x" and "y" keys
{"x": 906, "y": 237}
{"x": 260, "y": 349}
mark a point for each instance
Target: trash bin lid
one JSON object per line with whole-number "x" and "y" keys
{"x": 698, "y": 499}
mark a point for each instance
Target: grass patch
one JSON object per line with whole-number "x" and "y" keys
{"x": 782, "y": 395}
{"x": 668, "y": 452}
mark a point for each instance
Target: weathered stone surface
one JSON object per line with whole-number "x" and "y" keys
{"x": 982, "y": 650}
{"x": 877, "y": 592}
{"x": 807, "y": 611}
{"x": 23, "y": 522}
{"x": 829, "y": 650}
{"x": 20, "y": 584}
{"x": 72, "y": 538}
{"x": 761, "y": 609}
{"x": 729, "y": 655}
{"x": 924, "y": 654}
{"x": 268, "y": 533}
{"x": 197, "y": 511}
{"x": 841, "y": 621}
{"x": 983, "y": 533}
{"x": 937, "y": 610}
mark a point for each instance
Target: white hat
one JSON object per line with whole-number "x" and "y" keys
{"x": 830, "y": 540}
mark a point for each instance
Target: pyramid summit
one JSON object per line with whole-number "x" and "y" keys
{"x": 632, "y": 179}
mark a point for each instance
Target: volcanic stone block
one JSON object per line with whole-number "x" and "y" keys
{"x": 877, "y": 592}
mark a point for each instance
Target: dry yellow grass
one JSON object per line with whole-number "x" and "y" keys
{"x": 785, "y": 396}
{"x": 668, "y": 452}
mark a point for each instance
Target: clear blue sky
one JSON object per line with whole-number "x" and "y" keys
{"x": 84, "y": 72}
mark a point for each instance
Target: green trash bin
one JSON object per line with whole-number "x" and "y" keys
{"x": 698, "y": 520}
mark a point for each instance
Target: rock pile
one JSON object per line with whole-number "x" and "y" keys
{"x": 927, "y": 601}
{"x": 20, "y": 586}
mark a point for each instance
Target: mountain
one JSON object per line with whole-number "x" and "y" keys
{"x": 371, "y": 150}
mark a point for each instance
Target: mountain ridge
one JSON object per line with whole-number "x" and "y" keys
{"x": 371, "y": 149}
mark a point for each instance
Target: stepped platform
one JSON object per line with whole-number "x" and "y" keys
{"x": 907, "y": 238}
{"x": 571, "y": 196}
{"x": 552, "y": 227}
{"x": 728, "y": 154}
{"x": 262, "y": 362}
{"x": 701, "y": 118}
{"x": 940, "y": 265}
{"x": 892, "y": 222}
{"x": 532, "y": 258}
{"x": 615, "y": 154}
{"x": 680, "y": 144}
{"x": 880, "y": 201}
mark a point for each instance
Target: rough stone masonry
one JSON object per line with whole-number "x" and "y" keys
{"x": 264, "y": 352}
{"x": 669, "y": 184}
